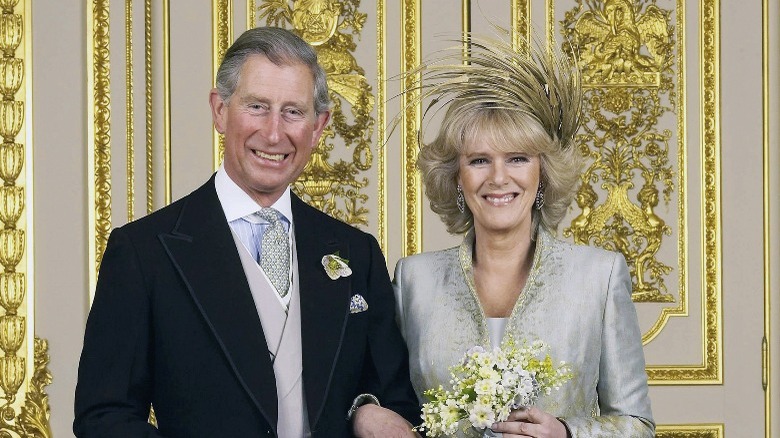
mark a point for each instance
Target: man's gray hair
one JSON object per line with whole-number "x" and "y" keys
{"x": 280, "y": 46}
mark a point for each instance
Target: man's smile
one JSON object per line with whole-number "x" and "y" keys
{"x": 271, "y": 157}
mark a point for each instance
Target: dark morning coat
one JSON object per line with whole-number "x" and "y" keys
{"x": 173, "y": 324}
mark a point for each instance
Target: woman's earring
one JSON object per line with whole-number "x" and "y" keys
{"x": 460, "y": 200}
{"x": 539, "y": 201}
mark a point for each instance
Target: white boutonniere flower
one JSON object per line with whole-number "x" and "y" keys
{"x": 336, "y": 266}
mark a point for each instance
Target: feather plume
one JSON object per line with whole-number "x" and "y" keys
{"x": 539, "y": 82}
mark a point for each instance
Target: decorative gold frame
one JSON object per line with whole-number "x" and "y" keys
{"x": 129, "y": 109}
{"x": 712, "y": 430}
{"x": 222, "y": 37}
{"x": 711, "y": 369}
{"x": 766, "y": 351}
{"x": 381, "y": 122}
{"x": 148, "y": 106}
{"x": 411, "y": 190}
{"x": 99, "y": 138}
{"x": 167, "y": 168}
{"x": 23, "y": 366}
{"x": 521, "y": 22}
{"x": 682, "y": 308}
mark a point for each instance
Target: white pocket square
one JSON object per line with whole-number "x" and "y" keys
{"x": 357, "y": 304}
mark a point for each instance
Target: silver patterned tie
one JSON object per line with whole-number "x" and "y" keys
{"x": 275, "y": 256}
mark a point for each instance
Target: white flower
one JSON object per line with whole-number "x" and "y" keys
{"x": 509, "y": 379}
{"x": 450, "y": 413}
{"x": 475, "y": 349}
{"x": 336, "y": 266}
{"x": 485, "y": 387}
{"x": 481, "y": 416}
{"x": 485, "y": 360}
{"x": 489, "y": 373}
{"x": 502, "y": 362}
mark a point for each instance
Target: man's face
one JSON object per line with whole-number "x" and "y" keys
{"x": 269, "y": 125}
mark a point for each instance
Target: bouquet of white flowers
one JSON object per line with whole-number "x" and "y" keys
{"x": 488, "y": 385}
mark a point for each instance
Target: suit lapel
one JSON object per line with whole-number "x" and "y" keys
{"x": 203, "y": 250}
{"x": 324, "y": 304}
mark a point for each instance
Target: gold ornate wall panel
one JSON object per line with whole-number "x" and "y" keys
{"x": 23, "y": 364}
{"x": 629, "y": 93}
{"x": 633, "y": 192}
{"x": 631, "y": 58}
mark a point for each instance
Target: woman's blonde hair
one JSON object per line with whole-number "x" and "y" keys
{"x": 515, "y": 99}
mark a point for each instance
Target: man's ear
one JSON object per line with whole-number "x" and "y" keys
{"x": 319, "y": 125}
{"x": 218, "y": 110}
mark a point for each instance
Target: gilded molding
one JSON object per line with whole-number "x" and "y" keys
{"x": 99, "y": 136}
{"x": 221, "y": 38}
{"x": 166, "y": 6}
{"x": 766, "y": 350}
{"x": 149, "y": 109}
{"x": 23, "y": 372}
{"x": 711, "y": 369}
{"x": 465, "y": 24}
{"x": 411, "y": 207}
{"x": 521, "y": 23}
{"x": 681, "y": 309}
{"x": 689, "y": 431}
{"x": 251, "y": 19}
{"x": 130, "y": 130}
{"x": 381, "y": 120}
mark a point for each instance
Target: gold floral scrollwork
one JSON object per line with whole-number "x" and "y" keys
{"x": 334, "y": 186}
{"x": 625, "y": 50}
{"x": 24, "y": 406}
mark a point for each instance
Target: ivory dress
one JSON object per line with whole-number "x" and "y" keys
{"x": 577, "y": 299}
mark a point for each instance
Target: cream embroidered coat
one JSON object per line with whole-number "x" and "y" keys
{"x": 577, "y": 299}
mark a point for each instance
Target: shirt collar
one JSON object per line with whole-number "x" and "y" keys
{"x": 236, "y": 203}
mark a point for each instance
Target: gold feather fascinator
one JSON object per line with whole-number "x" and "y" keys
{"x": 543, "y": 83}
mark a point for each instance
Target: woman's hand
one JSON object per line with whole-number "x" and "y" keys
{"x": 531, "y": 422}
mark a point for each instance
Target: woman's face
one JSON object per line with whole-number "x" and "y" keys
{"x": 499, "y": 187}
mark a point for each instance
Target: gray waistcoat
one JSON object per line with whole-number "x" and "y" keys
{"x": 282, "y": 331}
